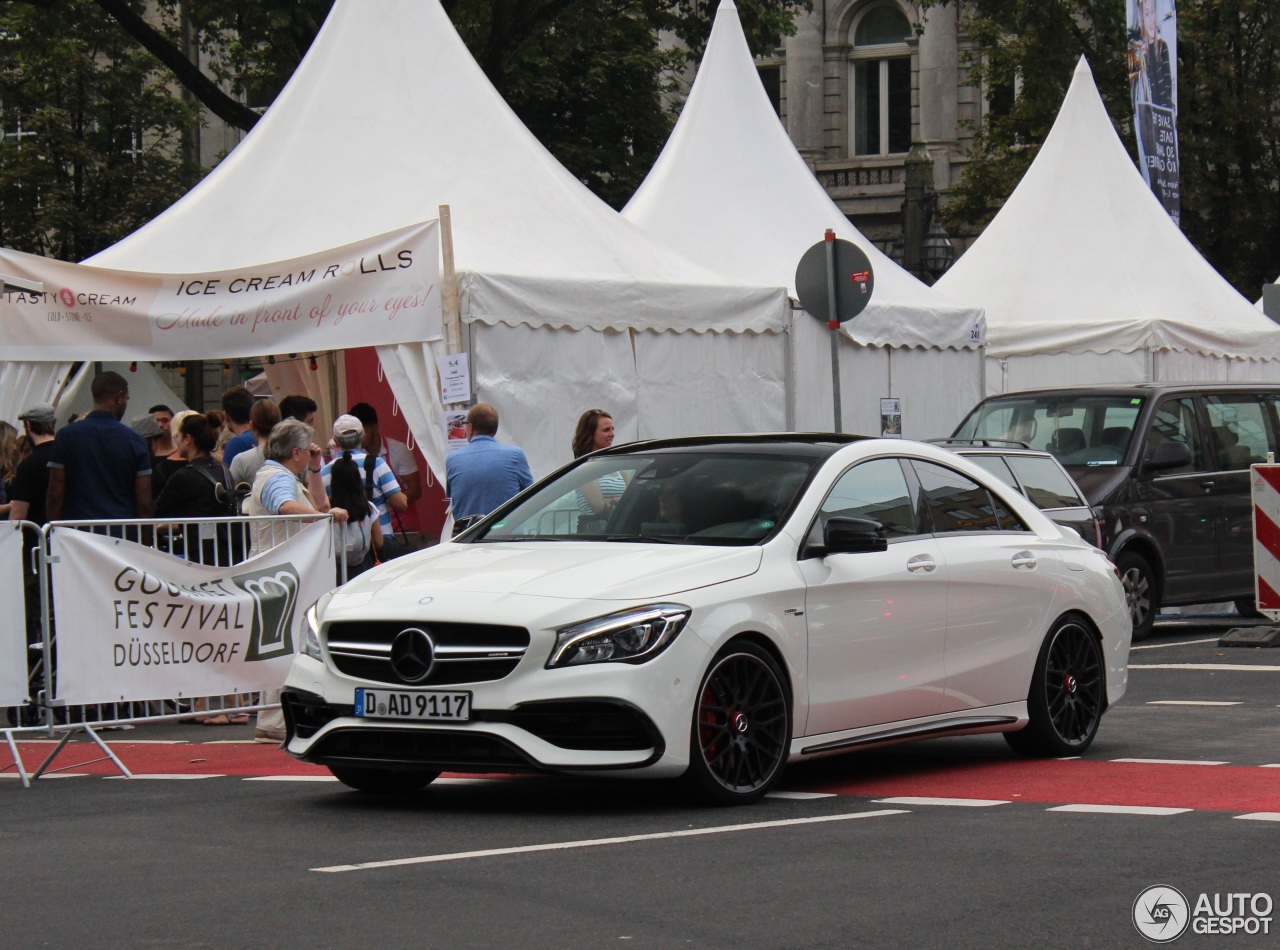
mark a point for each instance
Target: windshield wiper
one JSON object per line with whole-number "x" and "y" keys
{"x": 641, "y": 539}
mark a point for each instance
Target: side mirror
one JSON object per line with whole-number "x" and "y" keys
{"x": 1168, "y": 455}
{"x": 852, "y": 535}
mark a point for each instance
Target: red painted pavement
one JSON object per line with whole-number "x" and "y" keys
{"x": 1078, "y": 781}
{"x": 1081, "y": 781}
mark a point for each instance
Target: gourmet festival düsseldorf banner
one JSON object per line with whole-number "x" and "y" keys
{"x": 1153, "y": 81}
{"x": 135, "y": 623}
{"x": 13, "y": 633}
{"x": 380, "y": 291}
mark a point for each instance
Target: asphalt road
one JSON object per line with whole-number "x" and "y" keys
{"x": 265, "y": 861}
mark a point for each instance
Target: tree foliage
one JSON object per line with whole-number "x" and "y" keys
{"x": 1228, "y": 113}
{"x": 91, "y": 148}
{"x": 92, "y": 86}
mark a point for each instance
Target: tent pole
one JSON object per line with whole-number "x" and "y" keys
{"x": 449, "y": 288}
{"x": 789, "y": 350}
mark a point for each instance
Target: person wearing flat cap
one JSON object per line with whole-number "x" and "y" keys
{"x": 31, "y": 478}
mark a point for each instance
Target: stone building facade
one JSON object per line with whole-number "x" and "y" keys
{"x": 858, "y": 84}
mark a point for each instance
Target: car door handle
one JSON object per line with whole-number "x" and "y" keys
{"x": 1024, "y": 559}
{"x": 922, "y": 564}
{"x": 1207, "y": 485}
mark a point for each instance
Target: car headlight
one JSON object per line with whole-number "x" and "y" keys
{"x": 631, "y": 636}
{"x": 311, "y": 632}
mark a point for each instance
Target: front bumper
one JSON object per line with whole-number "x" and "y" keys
{"x": 602, "y": 717}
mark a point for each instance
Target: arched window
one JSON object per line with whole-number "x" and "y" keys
{"x": 880, "y": 82}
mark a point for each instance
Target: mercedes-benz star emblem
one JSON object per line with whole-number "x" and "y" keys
{"x": 412, "y": 655}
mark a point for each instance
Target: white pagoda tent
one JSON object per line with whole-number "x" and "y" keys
{"x": 731, "y": 192}
{"x": 566, "y": 305}
{"x": 1084, "y": 277}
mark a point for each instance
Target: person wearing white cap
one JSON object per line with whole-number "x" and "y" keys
{"x": 380, "y": 482}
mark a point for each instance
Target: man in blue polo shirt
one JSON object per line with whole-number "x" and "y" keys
{"x": 99, "y": 467}
{"x": 483, "y": 473}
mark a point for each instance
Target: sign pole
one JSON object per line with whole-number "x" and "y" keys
{"x": 833, "y": 324}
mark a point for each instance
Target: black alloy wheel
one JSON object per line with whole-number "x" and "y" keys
{"x": 1068, "y": 693}
{"x": 741, "y": 728}
{"x": 382, "y": 781}
{"x": 1141, "y": 592}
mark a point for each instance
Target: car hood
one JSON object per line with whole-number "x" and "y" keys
{"x": 566, "y": 569}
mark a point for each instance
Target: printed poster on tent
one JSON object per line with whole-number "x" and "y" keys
{"x": 13, "y": 633}
{"x": 380, "y": 291}
{"x": 1153, "y": 83}
{"x": 135, "y": 623}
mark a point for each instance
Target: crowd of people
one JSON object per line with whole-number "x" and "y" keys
{"x": 253, "y": 457}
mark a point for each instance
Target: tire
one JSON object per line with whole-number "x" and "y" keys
{"x": 1141, "y": 592}
{"x": 382, "y": 781}
{"x": 1067, "y": 695}
{"x": 1247, "y": 608}
{"x": 740, "y": 732}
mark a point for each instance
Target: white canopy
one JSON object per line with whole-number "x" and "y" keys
{"x": 388, "y": 117}
{"x": 730, "y": 191}
{"x": 1082, "y": 258}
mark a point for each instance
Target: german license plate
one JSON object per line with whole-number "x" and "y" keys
{"x": 406, "y": 704}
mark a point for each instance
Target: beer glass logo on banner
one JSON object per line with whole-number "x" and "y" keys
{"x": 275, "y": 598}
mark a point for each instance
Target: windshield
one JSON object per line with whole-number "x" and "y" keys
{"x": 677, "y": 498}
{"x": 1078, "y": 430}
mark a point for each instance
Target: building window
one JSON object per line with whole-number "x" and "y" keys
{"x": 771, "y": 78}
{"x": 880, "y": 82}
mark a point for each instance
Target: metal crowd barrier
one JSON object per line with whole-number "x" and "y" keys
{"x": 217, "y": 542}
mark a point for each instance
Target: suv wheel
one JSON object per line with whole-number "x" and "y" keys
{"x": 1141, "y": 592}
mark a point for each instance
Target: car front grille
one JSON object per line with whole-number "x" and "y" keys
{"x": 457, "y": 751}
{"x": 461, "y": 652}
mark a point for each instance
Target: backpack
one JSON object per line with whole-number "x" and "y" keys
{"x": 230, "y": 498}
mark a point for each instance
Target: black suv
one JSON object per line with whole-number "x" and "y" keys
{"x": 1168, "y": 464}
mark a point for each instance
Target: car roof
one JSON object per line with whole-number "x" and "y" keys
{"x": 804, "y": 444}
{"x": 1137, "y": 389}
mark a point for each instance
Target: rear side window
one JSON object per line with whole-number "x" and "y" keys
{"x": 1239, "y": 430}
{"x": 1046, "y": 484}
{"x": 875, "y": 490}
{"x": 955, "y": 502}
{"x": 995, "y": 465}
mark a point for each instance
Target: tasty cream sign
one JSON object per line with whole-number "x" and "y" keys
{"x": 381, "y": 291}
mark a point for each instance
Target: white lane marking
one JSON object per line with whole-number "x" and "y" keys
{"x": 147, "y": 741}
{"x": 168, "y": 776}
{"x": 1213, "y": 667}
{"x": 1275, "y": 765}
{"x": 1190, "y": 702}
{"x": 598, "y": 842}
{"x": 1169, "y": 761}
{"x": 1120, "y": 809}
{"x": 231, "y": 742}
{"x": 290, "y": 778}
{"x": 799, "y": 796}
{"x": 1180, "y": 643}
{"x": 1259, "y": 816}
{"x": 960, "y": 802}
{"x": 48, "y": 775}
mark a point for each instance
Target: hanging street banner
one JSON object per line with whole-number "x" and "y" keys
{"x": 135, "y": 623}
{"x": 383, "y": 290}
{"x": 1153, "y": 82}
{"x": 13, "y": 633}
